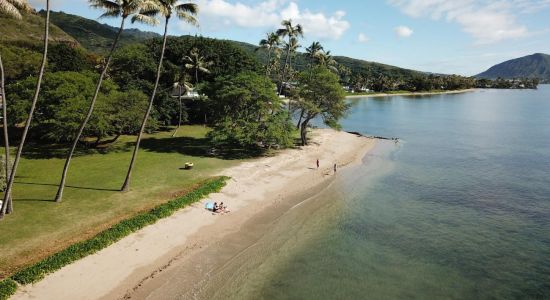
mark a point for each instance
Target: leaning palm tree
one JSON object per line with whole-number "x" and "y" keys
{"x": 113, "y": 8}
{"x": 186, "y": 12}
{"x": 10, "y": 9}
{"x": 292, "y": 32}
{"x": 270, "y": 43}
{"x": 197, "y": 63}
{"x": 7, "y": 193}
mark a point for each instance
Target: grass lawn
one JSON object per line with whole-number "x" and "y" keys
{"x": 92, "y": 201}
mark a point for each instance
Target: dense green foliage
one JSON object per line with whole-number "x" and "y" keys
{"x": 246, "y": 111}
{"x": 82, "y": 249}
{"x": 62, "y": 106}
{"x": 23, "y": 60}
{"x": 319, "y": 95}
{"x": 531, "y": 66}
{"x": 8, "y": 287}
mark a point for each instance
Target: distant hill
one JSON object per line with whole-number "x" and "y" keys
{"x": 30, "y": 29}
{"x": 94, "y": 36}
{"x": 531, "y": 66}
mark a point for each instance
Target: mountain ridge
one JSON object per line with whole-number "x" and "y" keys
{"x": 536, "y": 65}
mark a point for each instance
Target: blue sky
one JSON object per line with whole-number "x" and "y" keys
{"x": 462, "y": 37}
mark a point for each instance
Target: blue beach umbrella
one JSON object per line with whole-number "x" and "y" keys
{"x": 209, "y": 205}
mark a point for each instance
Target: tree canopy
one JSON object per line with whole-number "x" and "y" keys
{"x": 247, "y": 111}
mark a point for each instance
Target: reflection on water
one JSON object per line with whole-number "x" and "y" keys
{"x": 460, "y": 209}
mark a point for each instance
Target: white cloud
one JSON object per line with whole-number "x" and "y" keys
{"x": 403, "y": 31}
{"x": 362, "y": 38}
{"x": 217, "y": 14}
{"x": 487, "y": 21}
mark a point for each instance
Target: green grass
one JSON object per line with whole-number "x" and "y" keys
{"x": 92, "y": 202}
{"x": 105, "y": 238}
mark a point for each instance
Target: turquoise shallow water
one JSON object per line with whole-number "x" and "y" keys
{"x": 459, "y": 210}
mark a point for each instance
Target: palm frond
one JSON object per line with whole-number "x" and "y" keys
{"x": 187, "y": 12}
{"x": 110, "y": 14}
{"x": 9, "y": 10}
{"x": 107, "y": 5}
{"x": 146, "y": 17}
{"x": 22, "y": 5}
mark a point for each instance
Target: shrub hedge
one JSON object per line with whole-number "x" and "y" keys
{"x": 107, "y": 237}
{"x": 7, "y": 288}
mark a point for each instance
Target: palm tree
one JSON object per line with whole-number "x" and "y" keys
{"x": 181, "y": 85}
{"x": 270, "y": 43}
{"x": 113, "y": 8}
{"x": 186, "y": 12}
{"x": 10, "y": 9}
{"x": 325, "y": 59}
{"x": 313, "y": 51}
{"x": 292, "y": 32}
{"x": 197, "y": 63}
{"x": 9, "y": 186}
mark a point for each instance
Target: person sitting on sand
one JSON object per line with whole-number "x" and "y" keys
{"x": 216, "y": 207}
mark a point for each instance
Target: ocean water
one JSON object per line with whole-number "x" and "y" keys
{"x": 459, "y": 209}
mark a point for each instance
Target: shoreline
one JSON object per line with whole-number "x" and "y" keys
{"x": 373, "y": 95}
{"x": 118, "y": 270}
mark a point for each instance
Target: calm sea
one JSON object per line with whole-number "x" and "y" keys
{"x": 459, "y": 209}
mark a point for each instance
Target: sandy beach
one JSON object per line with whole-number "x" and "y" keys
{"x": 255, "y": 187}
{"x": 409, "y": 94}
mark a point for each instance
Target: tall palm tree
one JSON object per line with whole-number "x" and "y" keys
{"x": 292, "y": 32}
{"x": 181, "y": 85}
{"x": 186, "y": 12}
{"x": 113, "y": 8}
{"x": 270, "y": 43}
{"x": 9, "y": 186}
{"x": 10, "y": 9}
{"x": 197, "y": 63}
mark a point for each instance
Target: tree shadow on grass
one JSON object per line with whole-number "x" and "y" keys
{"x": 68, "y": 186}
{"x": 199, "y": 147}
{"x": 33, "y": 200}
{"x": 47, "y": 151}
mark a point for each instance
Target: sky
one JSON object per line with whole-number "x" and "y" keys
{"x": 462, "y": 37}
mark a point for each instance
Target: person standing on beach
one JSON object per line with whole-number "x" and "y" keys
{"x": 317, "y": 163}
{"x": 334, "y": 168}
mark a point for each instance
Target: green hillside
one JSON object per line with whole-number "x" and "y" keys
{"x": 95, "y": 36}
{"x": 532, "y": 66}
{"x": 30, "y": 29}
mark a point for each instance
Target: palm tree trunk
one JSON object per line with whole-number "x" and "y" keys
{"x": 5, "y": 208}
{"x": 196, "y": 74}
{"x": 126, "y": 184}
{"x": 284, "y": 70}
{"x": 179, "y": 119}
{"x": 7, "y": 192}
{"x": 59, "y": 194}
{"x": 290, "y": 70}
{"x": 268, "y": 62}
